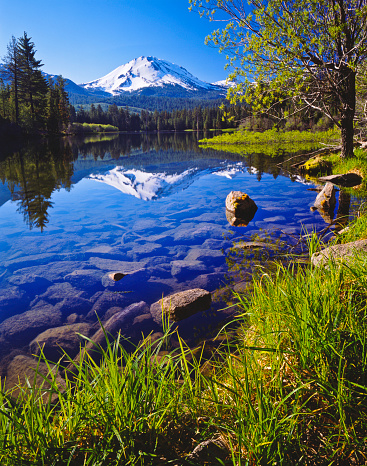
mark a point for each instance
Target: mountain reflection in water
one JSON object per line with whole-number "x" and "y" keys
{"x": 149, "y": 206}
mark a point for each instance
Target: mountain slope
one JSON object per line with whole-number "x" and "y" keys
{"x": 149, "y": 72}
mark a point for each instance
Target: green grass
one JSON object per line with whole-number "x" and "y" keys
{"x": 271, "y": 142}
{"x": 290, "y": 387}
{"x": 272, "y": 136}
{"x": 93, "y": 128}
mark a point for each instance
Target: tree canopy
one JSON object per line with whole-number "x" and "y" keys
{"x": 302, "y": 52}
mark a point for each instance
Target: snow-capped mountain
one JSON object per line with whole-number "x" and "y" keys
{"x": 148, "y": 72}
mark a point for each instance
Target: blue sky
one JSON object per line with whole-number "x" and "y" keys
{"x": 84, "y": 40}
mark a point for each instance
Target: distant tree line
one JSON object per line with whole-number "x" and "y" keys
{"x": 165, "y": 102}
{"x": 28, "y": 101}
{"x": 197, "y": 119}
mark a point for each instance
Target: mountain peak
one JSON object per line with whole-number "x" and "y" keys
{"x": 144, "y": 72}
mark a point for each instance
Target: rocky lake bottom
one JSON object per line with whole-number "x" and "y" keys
{"x": 72, "y": 213}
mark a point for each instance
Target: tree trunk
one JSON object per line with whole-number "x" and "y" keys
{"x": 347, "y": 133}
{"x": 348, "y": 109}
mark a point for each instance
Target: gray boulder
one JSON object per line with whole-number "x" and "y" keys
{"x": 340, "y": 252}
{"x": 59, "y": 291}
{"x": 181, "y": 305}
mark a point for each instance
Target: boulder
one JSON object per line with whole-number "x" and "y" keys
{"x": 85, "y": 279}
{"x": 183, "y": 269}
{"x": 29, "y": 282}
{"x": 181, "y": 305}
{"x": 325, "y": 202}
{"x": 57, "y": 292}
{"x": 74, "y": 304}
{"x": 12, "y": 301}
{"x": 23, "y": 368}
{"x": 22, "y": 328}
{"x": 104, "y": 302}
{"x": 119, "y": 322}
{"x": 340, "y": 252}
{"x": 347, "y": 180}
{"x": 240, "y": 208}
{"x": 54, "y": 341}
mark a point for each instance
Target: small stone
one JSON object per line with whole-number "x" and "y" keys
{"x": 116, "y": 276}
{"x": 209, "y": 450}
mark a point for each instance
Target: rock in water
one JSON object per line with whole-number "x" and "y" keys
{"x": 181, "y": 305}
{"x": 240, "y": 208}
{"x": 347, "y": 180}
{"x": 325, "y": 202}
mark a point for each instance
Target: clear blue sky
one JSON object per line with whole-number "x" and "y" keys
{"x": 84, "y": 40}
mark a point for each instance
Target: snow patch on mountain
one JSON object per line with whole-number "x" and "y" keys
{"x": 146, "y": 72}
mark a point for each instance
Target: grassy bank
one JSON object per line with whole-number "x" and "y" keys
{"x": 272, "y": 136}
{"x": 80, "y": 128}
{"x": 270, "y": 142}
{"x": 291, "y": 388}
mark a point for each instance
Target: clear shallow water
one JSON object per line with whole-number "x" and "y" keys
{"x": 72, "y": 212}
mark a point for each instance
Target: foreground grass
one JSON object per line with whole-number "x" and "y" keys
{"x": 290, "y": 389}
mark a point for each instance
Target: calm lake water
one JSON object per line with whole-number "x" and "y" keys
{"x": 152, "y": 207}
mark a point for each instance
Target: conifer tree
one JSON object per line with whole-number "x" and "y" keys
{"x": 12, "y": 73}
{"x": 33, "y": 86}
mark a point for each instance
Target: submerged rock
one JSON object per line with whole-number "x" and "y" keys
{"x": 181, "y": 305}
{"x": 119, "y": 322}
{"x": 240, "y": 208}
{"x": 23, "y": 368}
{"x": 54, "y": 341}
{"x": 22, "y": 328}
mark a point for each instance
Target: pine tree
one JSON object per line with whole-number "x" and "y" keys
{"x": 12, "y": 73}
{"x": 33, "y": 86}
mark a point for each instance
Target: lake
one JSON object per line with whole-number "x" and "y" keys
{"x": 149, "y": 206}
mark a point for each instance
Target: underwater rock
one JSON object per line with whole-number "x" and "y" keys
{"x": 181, "y": 305}
{"x": 24, "y": 367}
{"x": 54, "y": 341}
